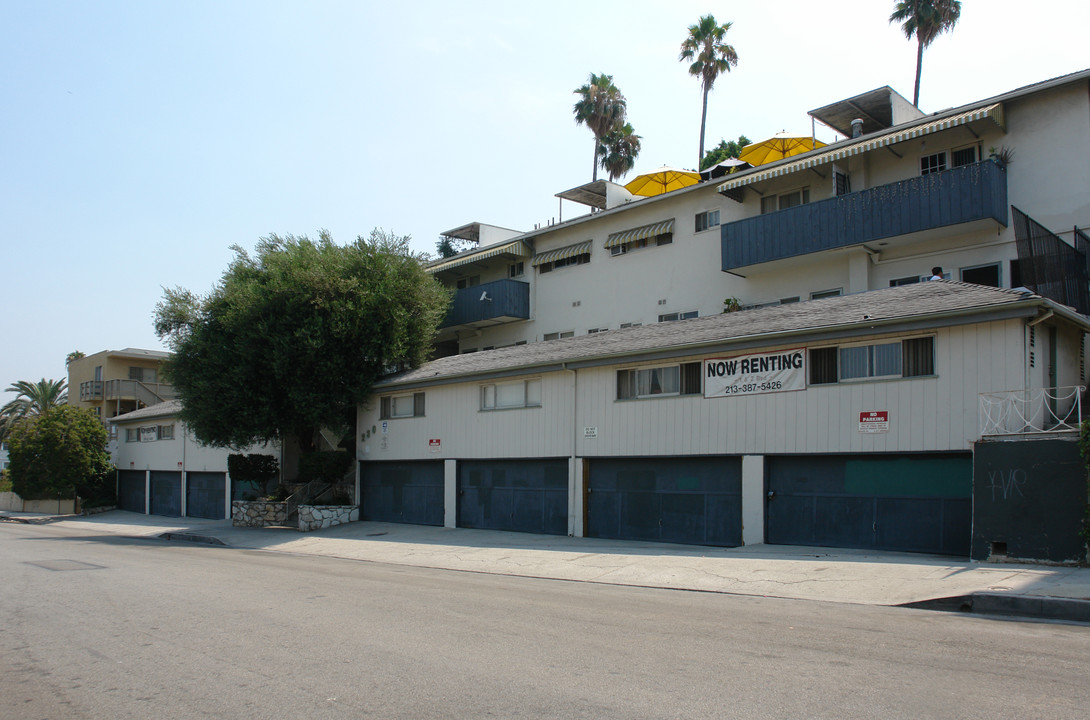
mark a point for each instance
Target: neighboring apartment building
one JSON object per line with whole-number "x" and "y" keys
{"x": 910, "y": 192}
{"x": 164, "y": 470}
{"x": 855, "y": 402}
{"x": 114, "y": 382}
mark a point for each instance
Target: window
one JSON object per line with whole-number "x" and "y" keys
{"x": 789, "y": 300}
{"x": 670, "y": 317}
{"x": 558, "y": 335}
{"x": 909, "y": 280}
{"x": 833, "y": 292}
{"x": 795, "y": 198}
{"x": 628, "y": 325}
{"x": 982, "y": 275}
{"x": 166, "y": 432}
{"x": 933, "y": 163}
{"x": 914, "y": 357}
{"x": 669, "y": 380}
{"x": 706, "y": 220}
{"x": 841, "y": 183}
{"x": 141, "y": 374}
{"x": 868, "y": 361}
{"x": 98, "y": 373}
{"x": 516, "y": 270}
{"x": 132, "y": 435}
{"x": 519, "y": 394}
{"x": 964, "y": 156}
{"x": 402, "y": 406}
{"x": 664, "y": 239}
{"x": 592, "y": 331}
{"x": 580, "y": 259}
{"x": 772, "y": 203}
{"x": 468, "y": 282}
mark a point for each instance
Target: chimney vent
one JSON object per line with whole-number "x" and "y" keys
{"x": 857, "y": 127}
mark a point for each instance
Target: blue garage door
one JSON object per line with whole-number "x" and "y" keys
{"x": 404, "y": 492}
{"x": 132, "y": 491}
{"x": 697, "y": 501}
{"x": 910, "y": 503}
{"x": 518, "y": 495}
{"x": 204, "y": 495}
{"x": 166, "y": 493}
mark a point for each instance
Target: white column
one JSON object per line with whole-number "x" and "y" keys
{"x": 858, "y": 272}
{"x": 147, "y": 492}
{"x": 185, "y": 493}
{"x": 576, "y": 484}
{"x": 753, "y": 499}
{"x": 450, "y": 493}
{"x": 227, "y": 494}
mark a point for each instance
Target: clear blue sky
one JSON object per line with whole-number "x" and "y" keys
{"x": 140, "y": 140}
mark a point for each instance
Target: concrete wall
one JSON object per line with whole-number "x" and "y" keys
{"x": 1029, "y": 500}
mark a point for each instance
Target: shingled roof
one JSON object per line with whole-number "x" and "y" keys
{"x": 918, "y": 306}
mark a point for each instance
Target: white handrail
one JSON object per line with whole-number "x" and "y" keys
{"x": 1036, "y": 410}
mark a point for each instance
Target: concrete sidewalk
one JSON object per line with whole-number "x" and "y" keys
{"x": 834, "y": 575}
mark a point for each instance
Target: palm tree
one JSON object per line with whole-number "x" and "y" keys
{"x": 601, "y": 108}
{"x": 33, "y": 399}
{"x": 925, "y": 20}
{"x": 619, "y": 150}
{"x": 709, "y": 57}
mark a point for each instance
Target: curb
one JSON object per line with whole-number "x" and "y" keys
{"x": 1035, "y": 606}
{"x": 192, "y": 537}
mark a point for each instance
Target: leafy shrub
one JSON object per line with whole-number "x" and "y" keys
{"x": 327, "y": 466}
{"x": 255, "y": 469}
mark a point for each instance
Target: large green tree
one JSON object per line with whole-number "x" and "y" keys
{"x": 925, "y": 20}
{"x": 292, "y": 338}
{"x": 602, "y": 108}
{"x": 709, "y": 56}
{"x": 57, "y": 453}
{"x": 31, "y": 400}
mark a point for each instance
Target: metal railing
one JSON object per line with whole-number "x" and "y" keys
{"x": 1033, "y": 411}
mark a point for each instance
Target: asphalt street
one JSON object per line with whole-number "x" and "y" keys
{"x": 99, "y": 626}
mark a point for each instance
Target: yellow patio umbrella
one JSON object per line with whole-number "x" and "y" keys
{"x": 779, "y": 146}
{"x": 663, "y": 180}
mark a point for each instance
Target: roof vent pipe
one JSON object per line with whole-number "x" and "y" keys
{"x": 857, "y": 127}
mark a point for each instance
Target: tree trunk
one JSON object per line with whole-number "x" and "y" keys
{"x": 594, "y": 172}
{"x": 703, "y": 120}
{"x": 919, "y": 69}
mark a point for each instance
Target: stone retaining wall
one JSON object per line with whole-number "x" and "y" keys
{"x": 319, "y": 517}
{"x": 258, "y": 513}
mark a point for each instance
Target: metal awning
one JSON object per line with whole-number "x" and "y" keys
{"x": 562, "y": 253}
{"x": 644, "y": 231}
{"x": 515, "y": 249}
{"x": 990, "y": 112}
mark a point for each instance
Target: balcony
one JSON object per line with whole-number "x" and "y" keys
{"x": 90, "y": 390}
{"x": 976, "y": 192}
{"x": 493, "y": 303}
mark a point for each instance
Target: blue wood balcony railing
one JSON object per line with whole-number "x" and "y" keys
{"x": 491, "y": 303}
{"x": 961, "y": 195}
